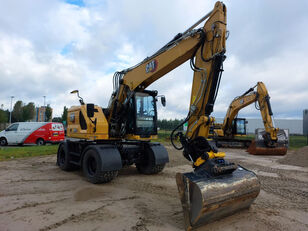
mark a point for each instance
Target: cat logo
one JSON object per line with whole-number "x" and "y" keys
{"x": 151, "y": 66}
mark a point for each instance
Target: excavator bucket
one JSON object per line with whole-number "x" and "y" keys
{"x": 257, "y": 146}
{"x": 207, "y": 198}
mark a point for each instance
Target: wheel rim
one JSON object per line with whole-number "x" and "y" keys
{"x": 40, "y": 142}
{"x": 2, "y": 142}
{"x": 91, "y": 164}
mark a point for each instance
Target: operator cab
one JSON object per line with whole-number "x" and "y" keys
{"x": 142, "y": 114}
{"x": 239, "y": 126}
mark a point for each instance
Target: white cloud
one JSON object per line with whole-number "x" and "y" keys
{"x": 51, "y": 47}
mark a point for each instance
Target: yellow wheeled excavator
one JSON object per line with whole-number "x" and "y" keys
{"x": 103, "y": 140}
{"x": 270, "y": 141}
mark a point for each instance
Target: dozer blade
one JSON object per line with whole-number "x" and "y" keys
{"x": 207, "y": 198}
{"x": 258, "y": 147}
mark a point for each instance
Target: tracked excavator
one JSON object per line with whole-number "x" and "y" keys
{"x": 270, "y": 141}
{"x": 103, "y": 140}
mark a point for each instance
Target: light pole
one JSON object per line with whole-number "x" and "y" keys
{"x": 44, "y": 99}
{"x": 11, "y": 109}
{"x": 44, "y": 108}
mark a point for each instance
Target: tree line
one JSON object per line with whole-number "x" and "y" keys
{"x": 63, "y": 118}
{"x": 23, "y": 112}
{"x": 168, "y": 124}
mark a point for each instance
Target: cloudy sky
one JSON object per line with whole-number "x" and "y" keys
{"x": 53, "y": 47}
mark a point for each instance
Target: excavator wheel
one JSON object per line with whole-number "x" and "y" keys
{"x": 148, "y": 166}
{"x": 63, "y": 158}
{"x": 92, "y": 168}
{"x": 150, "y": 169}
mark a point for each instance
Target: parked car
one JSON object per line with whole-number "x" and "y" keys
{"x": 38, "y": 133}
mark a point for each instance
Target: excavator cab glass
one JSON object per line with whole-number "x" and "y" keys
{"x": 146, "y": 114}
{"x": 90, "y": 109}
{"x": 239, "y": 126}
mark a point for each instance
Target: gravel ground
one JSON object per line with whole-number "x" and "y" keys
{"x": 36, "y": 195}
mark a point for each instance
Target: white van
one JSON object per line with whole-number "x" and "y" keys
{"x": 32, "y": 133}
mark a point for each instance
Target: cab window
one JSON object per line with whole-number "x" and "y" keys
{"x": 240, "y": 127}
{"x": 13, "y": 127}
{"x": 145, "y": 114}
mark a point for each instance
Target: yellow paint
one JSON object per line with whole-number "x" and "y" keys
{"x": 212, "y": 155}
{"x": 225, "y": 129}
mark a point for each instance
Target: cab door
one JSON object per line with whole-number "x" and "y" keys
{"x": 11, "y": 134}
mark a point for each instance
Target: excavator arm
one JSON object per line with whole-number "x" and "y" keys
{"x": 258, "y": 95}
{"x": 204, "y": 47}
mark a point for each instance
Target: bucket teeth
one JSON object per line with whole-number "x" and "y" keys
{"x": 207, "y": 198}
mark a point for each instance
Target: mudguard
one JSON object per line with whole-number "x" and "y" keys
{"x": 109, "y": 155}
{"x": 159, "y": 152}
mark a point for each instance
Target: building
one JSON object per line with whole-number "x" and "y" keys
{"x": 305, "y": 122}
{"x": 40, "y": 114}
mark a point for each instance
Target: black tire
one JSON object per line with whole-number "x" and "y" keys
{"x": 40, "y": 142}
{"x": 63, "y": 159}
{"x": 148, "y": 166}
{"x": 92, "y": 168}
{"x": 3, "y": 141}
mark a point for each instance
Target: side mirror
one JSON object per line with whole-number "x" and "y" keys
{"x": 90, "y": 109}
{"x": 163, "y": 100}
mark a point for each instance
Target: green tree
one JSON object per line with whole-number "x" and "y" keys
{"x": 57, "y": 119}
{"x": 28, "y": 112}
{"x": 48, "y": 113}
{"x": 17, "y": 114}
{"x": 64, "y": 114}
{"x": 168, "y": 124}
{"x": 4, "y": 116}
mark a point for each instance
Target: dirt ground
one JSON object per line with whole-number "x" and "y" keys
{"x": 36, "y": 195}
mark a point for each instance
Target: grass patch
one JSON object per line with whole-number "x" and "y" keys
{"x": 296, "y": 142}
{"x": 163, "y": 136}
{"x": 26, "y": 151}
{"x": 7, "y": 153}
